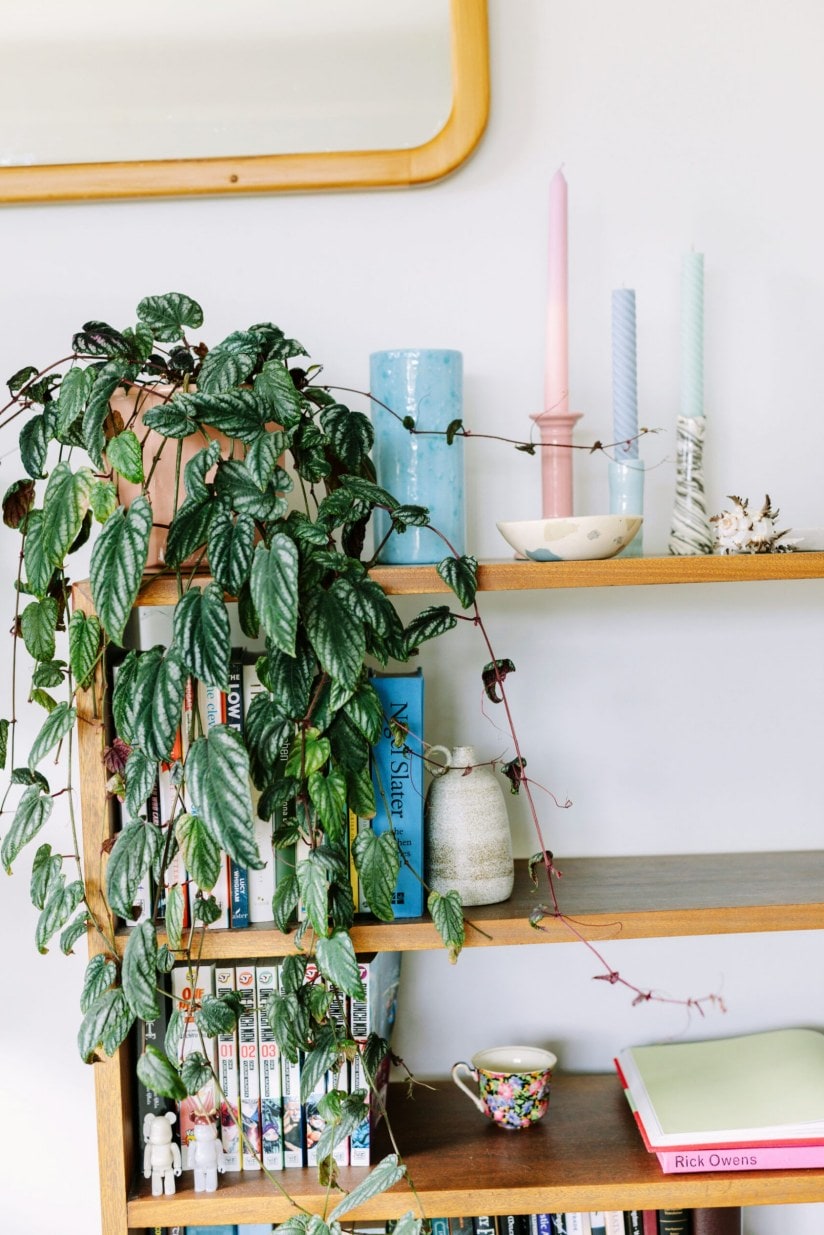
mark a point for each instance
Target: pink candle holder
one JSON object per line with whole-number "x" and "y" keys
{"x": 556, "y": 462}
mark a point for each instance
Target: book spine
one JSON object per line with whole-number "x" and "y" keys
{"x": 674, "y": 1222}
{"x": 229, "y": 1077}
{"x": 212, "y": 705}
{"x": 633, "y": 1222}
{"x": 597, "y": 1222}
{"x": 189, "y": 985}
{"x": 544, "y": 1224}
{"x": 763, "y": 1158}
{"x": 513, "y": 1224}
{"x": 578, "y": 1224}
{"x": 486, "y": 1226}
{"x": 271, "y": 1088}
{"x": 293, "y": 1135}
{"x": 614, "y": 1222}
{"x": 261, "y": 883}
{"x": 313, "y": 1122}
{"x": 440, "y": 1226}
{"x": 247, "y": 1038}
{"x": 649, "y": 1221}
{"x": 238, "y": 874}
{"x": 354, "y": 878}
{"x": 717, "y": 1221}
{"x": 461, "y": 1226}
{"x": 397, "y": 778}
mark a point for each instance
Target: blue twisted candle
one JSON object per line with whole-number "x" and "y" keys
{"x": 624, "y": 373}
{"x": 692, "y": 335}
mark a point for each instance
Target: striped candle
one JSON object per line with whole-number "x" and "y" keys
{"x": 692, "y": 335}
{"x": 624, "y": 373}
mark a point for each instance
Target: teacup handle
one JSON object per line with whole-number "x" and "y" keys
{"x": 457, "y": 1069}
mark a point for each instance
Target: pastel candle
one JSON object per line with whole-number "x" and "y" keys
{"x": 692, "y": 335}
{"x": 624, "y": 373}
{"x": 556, "y": 385}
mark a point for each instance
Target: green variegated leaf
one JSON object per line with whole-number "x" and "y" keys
{"x": 56, "y": 912}
{"x": 236, "y": 487}
{"x": 365, "y": 711}
{"x": 65, "y": 503}
{"x": 429, "y": 624}
{"x": 189, "y": 530}
{"x": 288, "y": 1020}
{"x": 34, "y": 446}
{"x": 328, "y": 795}
{"x": 350, "y": 433}
{"x": 106, "y": 382}
{"x": 85, "y": 638}
{"x": 129, "y": 862}
{"x": 385, "y": 1175}
{"x": 461, "y": 575}
{"x": 336, "y": 634}
{"x": 157, "y": 1074}
{"x": 100, "y": 339}
{"x": 125, "y": 714}
{"x": 57, "y": 724}
{"x": 378, "y": 863}
{"x": 174, "y": 419}
{"x": 170, "y": 688}
{"x": 45, "y": 873}
{"x": 205, "y": 908}
{"x": 218, "y": 780}
{"x": 230, "y": 548}
{"x": 219, "y": 1014}
{"x": 195, "y": 1072}
{"x": 140, "y": 972}
{"x": 75, "y": 930}
{"x": 168, "y": 315}
{"x": 174, "y": 916}
{"x": 313, "y": 886}
{"x": 229, "y": 364}
{"x": 343, "y": 1115}
{"x": 285, "y": 900}
{"x": 126, "y": 456}
{"x": 276, "y": 390}
{"x": 141, "y": 774}
{"x": 38, "y": 623}
{"x": 294, "y": 1226}
{"x": 274, "y": 588}
{"x": 103, "y": 499}
{"x": 100, "y": 976}
{"x": 447, "y": 914}
{"x": 117, "y": 565}
{"x": 197, "y": 469}
{"x": 4, "y": 741}
{"x": 32, "y": 812}
{"x": 236, "y": 413}
{"x": 39, "y": 566}
{"x": 263, "y": 461}
{"x": 309, "y": 753}
{"x": 75, "y": 390}
{"x": 337, "y": 962}
{"x": 165, "y": 959}
{"x": 289, "y": 678}
{"x": 202, "y": 635}
{"x": 201, "y": 853}
{"x": 317, "y": 1061}
{"x": 48, "y": 674}
{"x": 105, "y": 1025}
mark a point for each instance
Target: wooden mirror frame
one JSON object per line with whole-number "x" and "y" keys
{"x": 275, "y": 172}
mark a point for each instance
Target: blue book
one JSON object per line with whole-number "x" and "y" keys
{"x": 397, "y": 777}
{"x": 224, "y": 1229}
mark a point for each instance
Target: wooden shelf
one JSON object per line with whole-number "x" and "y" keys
{"x": 520, "y": 576}
{"x": 586, "y": 1154}
{"x": 609, "y": 898}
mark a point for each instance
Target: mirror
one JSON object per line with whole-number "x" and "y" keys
{"x": 262, "y": 95}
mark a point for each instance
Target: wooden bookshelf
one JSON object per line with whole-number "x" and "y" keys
{"x": 609, "y": 898}
{"x": 586, "y": 1154}
{"x": 521, "y": 576}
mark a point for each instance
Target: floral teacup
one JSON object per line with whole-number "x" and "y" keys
{"x": 513, "y": 1083}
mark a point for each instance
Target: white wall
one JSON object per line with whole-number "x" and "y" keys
{"x": 677, "y": 718}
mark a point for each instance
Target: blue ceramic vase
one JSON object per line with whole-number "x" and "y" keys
{"x": 419, "y": 470}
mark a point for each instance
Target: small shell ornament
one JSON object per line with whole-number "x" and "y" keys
{"x": 740, "y": 530}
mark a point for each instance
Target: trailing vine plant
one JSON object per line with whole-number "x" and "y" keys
{"x": 294, "y": 561}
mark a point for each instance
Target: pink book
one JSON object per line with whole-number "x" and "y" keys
{"x": 740, "y": 1158}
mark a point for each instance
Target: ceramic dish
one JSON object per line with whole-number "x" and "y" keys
{"x": 579, "y": 538}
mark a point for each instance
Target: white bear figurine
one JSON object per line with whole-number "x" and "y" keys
{"x": 161, "y": 1158}
{"x": 206, "y": 1154}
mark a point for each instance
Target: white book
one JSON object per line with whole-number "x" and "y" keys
{"x": 189, "y": 985}
{"x": 228, "y": 1074}
{"x": 614, "y": 1222}
{"x": 271, "y": 1087}
{"x": 247, "y": 1037}
{"x": 578, "y": 1224}
{"x": 292, "y": 1113}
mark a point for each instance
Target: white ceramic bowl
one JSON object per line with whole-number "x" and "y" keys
{"x": 579, "y": 538}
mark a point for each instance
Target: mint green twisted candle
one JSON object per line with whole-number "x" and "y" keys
{"x": 692, "y": 335}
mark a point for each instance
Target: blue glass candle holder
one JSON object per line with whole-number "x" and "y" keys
{"x": 626, "y": 497}
{"x": 419, "y": 469}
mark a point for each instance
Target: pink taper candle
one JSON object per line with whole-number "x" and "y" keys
{"x": 556, "y": 422}
{"x": 556, "y": 384}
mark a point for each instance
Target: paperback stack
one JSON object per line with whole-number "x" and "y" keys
{"x": 731, "y": 1104}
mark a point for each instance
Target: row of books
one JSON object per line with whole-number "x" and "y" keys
{"x": 242, "y": 1228}
{"x": 245, "y": 896}
{"x": 598, "y": 1222}
{"x": 751, "y": 1102}
{"x": 258, "y": 1090}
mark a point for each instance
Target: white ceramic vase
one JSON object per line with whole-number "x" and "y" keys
{"x": 468, "y": 841}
